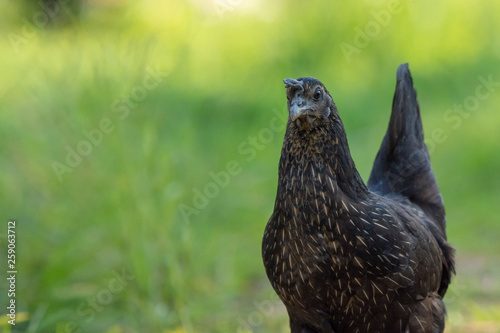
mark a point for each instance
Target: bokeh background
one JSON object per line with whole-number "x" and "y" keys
{"x": 140, "y": 143}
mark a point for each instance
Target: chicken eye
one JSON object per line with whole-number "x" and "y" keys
{"x": 317, "y": 94}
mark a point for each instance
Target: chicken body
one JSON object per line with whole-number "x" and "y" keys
{"x": 344, "y": 257}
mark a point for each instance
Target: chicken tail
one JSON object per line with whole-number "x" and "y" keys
{"x": 402, "y": 165}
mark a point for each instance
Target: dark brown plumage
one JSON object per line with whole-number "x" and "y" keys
{"x": 346, "y": 257}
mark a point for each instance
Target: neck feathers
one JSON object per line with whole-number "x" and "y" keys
{"x": 320, "y": 156}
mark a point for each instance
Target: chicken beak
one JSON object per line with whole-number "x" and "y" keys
{"x": 298, "y": 109}
{"x": 298, "y": 105}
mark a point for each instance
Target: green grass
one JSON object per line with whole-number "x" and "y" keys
{"x": 120, "y": 208}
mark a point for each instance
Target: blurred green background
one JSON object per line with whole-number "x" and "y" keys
{"x": 140, "y": 143}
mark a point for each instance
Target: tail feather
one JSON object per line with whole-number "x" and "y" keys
{"x": 402, "y": 165}
{"x": 403, "y": 168}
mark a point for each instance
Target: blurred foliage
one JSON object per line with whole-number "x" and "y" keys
{"x": 213, "y": 123}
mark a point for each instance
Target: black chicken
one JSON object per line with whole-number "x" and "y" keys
{"x": 346, "y": 257}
